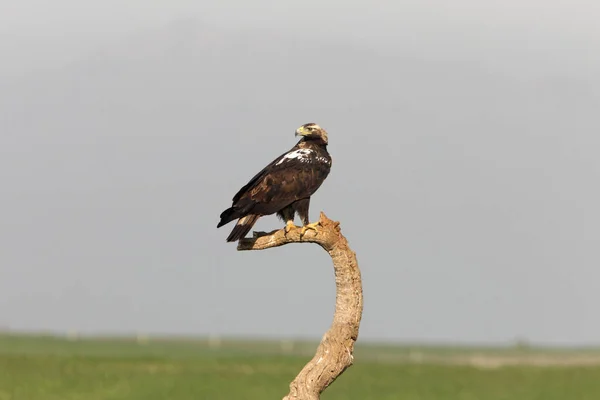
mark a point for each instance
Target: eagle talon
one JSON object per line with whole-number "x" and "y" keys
{"x": 307, "y": 227}
{"x": 289, "y": 226}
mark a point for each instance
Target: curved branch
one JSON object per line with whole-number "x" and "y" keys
{"x": 334, "y": 353}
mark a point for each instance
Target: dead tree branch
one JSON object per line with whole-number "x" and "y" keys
{"x": 334, "y": 353}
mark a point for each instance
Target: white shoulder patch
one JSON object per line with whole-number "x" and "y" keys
{"x": 323, "y": 160}
{"x": 301, "y": 154}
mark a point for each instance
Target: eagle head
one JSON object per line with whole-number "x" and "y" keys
{"x": 312, "y": 131}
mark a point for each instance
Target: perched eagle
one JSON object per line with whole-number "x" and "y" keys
{"x": 284, "y": 186}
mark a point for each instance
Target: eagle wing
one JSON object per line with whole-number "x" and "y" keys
{"x": 292, "y": 176}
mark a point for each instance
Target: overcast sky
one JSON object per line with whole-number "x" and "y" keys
{"x": 464, "y": 138}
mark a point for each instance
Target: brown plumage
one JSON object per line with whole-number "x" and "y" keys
{"x": 284, "y": 186}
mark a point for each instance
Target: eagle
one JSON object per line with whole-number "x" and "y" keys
{"x": 284, "y": 186}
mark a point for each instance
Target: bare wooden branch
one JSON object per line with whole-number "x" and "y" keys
{"x": 334, "y": 353}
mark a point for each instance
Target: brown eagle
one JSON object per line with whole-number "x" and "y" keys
{"x": 284, "y": 186}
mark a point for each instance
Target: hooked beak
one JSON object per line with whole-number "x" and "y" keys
{"x": 300, "y": 131}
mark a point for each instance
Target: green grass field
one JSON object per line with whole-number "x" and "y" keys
{"x": 50, "y": 368}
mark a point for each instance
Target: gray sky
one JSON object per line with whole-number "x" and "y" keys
{"x": 465, "y": 166}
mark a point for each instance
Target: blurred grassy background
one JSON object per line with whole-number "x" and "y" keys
{"x": 73, "y": 368}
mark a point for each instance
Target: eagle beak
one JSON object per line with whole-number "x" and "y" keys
{"x": 300, "y": 131}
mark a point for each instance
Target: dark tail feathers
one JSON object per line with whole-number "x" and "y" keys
{"x": 239, "y": 210}
{"x": 228, "y": 215}
{"x": 243, "y": 226}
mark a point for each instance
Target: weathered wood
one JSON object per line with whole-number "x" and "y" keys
{"x": 334, "y": 353}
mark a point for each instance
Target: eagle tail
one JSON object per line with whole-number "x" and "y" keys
{"x": 243, "y": 226}
{"x": 239, "y": 210}
{"x": 228, "y": 215}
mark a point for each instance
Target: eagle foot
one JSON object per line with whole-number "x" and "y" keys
{"x": 289, "y": 226}
{"x": 307, "y": 227}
